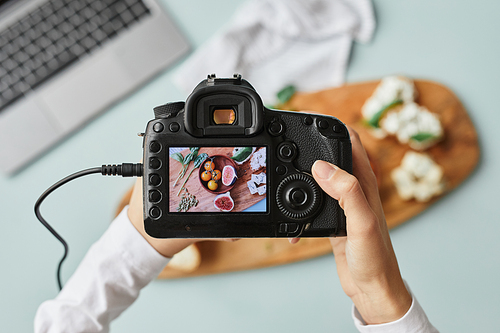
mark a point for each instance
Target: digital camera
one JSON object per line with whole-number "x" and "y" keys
{"x": 221, "y": 165}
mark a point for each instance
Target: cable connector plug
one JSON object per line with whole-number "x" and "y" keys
{"x": 124, "y": 170}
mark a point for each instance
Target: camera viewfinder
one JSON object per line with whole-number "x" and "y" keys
{"x": 224, "y": 116}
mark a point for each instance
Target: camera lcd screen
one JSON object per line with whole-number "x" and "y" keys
{"x": 217, "y": 179}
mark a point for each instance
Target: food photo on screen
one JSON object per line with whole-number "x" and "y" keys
{"x": 217, "y": 179}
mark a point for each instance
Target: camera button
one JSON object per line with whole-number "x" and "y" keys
{"x": 154, "y": 196}
{"x": 297, "y": 197}
{"x": 174, "y": 127}
{"x": 287, "y": 151}
{"x": 287, "y": 228}
{"x": 158, "y": 127}
{"x": 323, "y": 124}
{"x": 308, "y": 120}
{"x": 276, "y": 128}
{"x": 154, "y": 163}
{"x": 281, "y": 169}
{"x": 154, "y": 147}
{"x": 337, "y": 128}
{"x": 154, "y": 179}
{"x": 155, "y": 212}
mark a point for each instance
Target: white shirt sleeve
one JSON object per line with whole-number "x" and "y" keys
{"x": 120, "y": 264}
{"x": 414, "y": 321}
{"x": 106, "y": 282}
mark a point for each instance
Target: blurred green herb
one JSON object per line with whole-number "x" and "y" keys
{"x": 375, "y": 120}
{"x": 285, "y": 94}
{"x": 422, "y": 136}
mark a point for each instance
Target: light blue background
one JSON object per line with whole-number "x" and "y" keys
{"x": 450, "y": 254}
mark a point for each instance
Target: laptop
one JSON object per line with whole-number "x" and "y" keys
{"x": 62, "y": 62}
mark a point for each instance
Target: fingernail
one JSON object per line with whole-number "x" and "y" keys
{"x": 324, "y": 169}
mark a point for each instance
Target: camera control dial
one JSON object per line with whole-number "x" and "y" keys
{"x": 168, "y": 110}
{"x": 298, "y": 196}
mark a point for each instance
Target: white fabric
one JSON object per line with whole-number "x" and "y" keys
{"x": 274, "y": 43}
{"x": 106, "y": 282}
{"x": 119, "y": 265}
{"x": 414, "y": 321}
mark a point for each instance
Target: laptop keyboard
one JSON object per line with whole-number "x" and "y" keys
{"x": 55, "y": 35}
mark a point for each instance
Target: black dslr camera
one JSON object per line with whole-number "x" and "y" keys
{"x": 221, "y": 165}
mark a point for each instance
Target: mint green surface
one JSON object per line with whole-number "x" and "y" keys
{"x": 449, "y": 254}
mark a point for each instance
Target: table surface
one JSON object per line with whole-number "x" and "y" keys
{"x": 448, "y": 254}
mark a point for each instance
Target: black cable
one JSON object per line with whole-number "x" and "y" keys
{"x": 125, "y": 170}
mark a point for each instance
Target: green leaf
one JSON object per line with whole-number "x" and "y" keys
{"x": 187, "y": 159}
{"x": 423, "y": 136}
{"x": 195, "y": 154}
{"x": 178, "y": 157}
{"x": 286, "y": 93}
{"x": 242, "y": 154}
{"x": 194, "y": 150}
{"x": 200, "y": 159}
{"x": 374, "y": 121}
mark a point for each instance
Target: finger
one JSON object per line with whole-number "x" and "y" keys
{"x": 345, "y": 188}
{"x": 364, "y": 172}
{"x": 339, "y": 250}
{"x": 293, "y": 240}
{"x": 169, "y": 247}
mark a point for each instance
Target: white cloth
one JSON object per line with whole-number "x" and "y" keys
{"x": 119, "y": 265}
{"x": 106, "y": 283}
{"x": 274, "y": 43}
{"x": 414, "y": 321}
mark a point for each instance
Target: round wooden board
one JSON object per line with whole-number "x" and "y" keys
{"x": 458, "y": 154}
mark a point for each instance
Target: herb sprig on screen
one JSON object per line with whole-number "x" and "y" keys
{"x": 185, "y": 161}
{"x": 197, "y": 162}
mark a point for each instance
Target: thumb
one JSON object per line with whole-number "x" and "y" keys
{"x": 346, "y": 188}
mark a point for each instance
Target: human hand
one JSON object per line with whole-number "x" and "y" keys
{"x": 366, "y": 262}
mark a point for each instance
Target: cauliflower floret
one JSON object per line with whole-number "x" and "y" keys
{"x": 391, "y": 123}
{"x": 413, "y": 124}
{"x": 404, "y": 181}
{"x": 390, "y": 90}
{"x": 418, "y": 177}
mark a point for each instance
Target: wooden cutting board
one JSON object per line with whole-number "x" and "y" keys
{"x": 240, "y": 193}
{"x": 458, "y": 154}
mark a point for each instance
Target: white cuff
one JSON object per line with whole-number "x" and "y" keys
{"x": 134, "y": 248}
{"x": 414, "y": 321}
